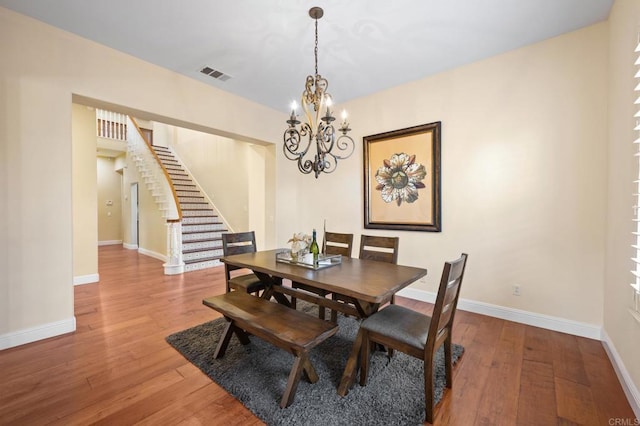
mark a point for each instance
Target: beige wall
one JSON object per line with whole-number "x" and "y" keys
{"x": 109, "y": 190}
{"x": 232, "y": 173}
{"x": 524, "y": 175}
{"x": 85, "y": 207}
{"x": 622, "y": 330}
{"x": 38, "y": 225}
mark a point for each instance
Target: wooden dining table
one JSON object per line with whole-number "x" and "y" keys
{"x": 362, "y": 284}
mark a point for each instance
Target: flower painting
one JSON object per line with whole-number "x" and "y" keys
{"x": 402, "y": 179}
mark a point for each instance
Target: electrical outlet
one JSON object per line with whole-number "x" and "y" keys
{"x": 516, "y": 290}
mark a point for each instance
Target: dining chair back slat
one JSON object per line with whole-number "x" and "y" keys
{"x": 336, "y": 243}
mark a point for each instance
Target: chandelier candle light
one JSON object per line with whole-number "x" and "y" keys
{"x": 318, "y": 128}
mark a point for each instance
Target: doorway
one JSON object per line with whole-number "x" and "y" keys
{"x": 134, "y": 215}
{"x": 148, "y": 135}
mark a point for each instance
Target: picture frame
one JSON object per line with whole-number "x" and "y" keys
{"x": 402, "y": 179}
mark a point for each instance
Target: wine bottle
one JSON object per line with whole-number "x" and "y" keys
{"x": 314, "y": 247}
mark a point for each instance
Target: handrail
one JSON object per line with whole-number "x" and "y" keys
{"x": 164, "y": 171}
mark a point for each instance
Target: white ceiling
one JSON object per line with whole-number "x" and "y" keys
{"x": 266, "y": 46}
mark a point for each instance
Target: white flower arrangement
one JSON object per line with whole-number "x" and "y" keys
{"x": 299, "y": 242}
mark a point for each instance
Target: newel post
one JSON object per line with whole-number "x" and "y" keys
{"x": 174, "y": 264}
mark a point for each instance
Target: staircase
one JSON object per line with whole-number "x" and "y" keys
{"x": 202, "y": 229}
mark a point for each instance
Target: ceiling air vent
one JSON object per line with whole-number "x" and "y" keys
{"x": 218, "y": 75}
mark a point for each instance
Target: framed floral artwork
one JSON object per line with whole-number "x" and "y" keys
{"x": 402, "y": 179}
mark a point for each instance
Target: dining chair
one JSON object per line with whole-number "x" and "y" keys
{"x": 239, "y": 243}
{"x": 333, "y": 243}
{"x": 337, "y": 243}
{"x": 381, "y": 249}
{"x": 418, "y": 335}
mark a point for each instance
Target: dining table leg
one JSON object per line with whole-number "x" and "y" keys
{"x": 351, "y": 369}
{"x": 269, "y": 282}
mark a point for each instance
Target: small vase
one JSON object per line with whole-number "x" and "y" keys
{"x": 298, "y": 255}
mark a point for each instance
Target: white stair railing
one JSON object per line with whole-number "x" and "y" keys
{"x": 159, "y": 184}
{"x": 151, "y": 171}
{"x": 111, "y": 125}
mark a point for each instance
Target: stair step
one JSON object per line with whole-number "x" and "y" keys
{"x": 194, "y": 220}
{"x": 201, "y": 245}
{"x": 208, "y": 258}
{"x": 195, "y": 206}
{"x": 201, "y": 236}
{"x": 183, "y": 193}
{"x": 196, "y": 266}
{"x": 203, "y": 259}
{"x": 197, "y": 213}
{"x": 204, "y": 248}
{"x": 202, "y": 227}
{"x": 187, "y": 200}
{"x": 200, "y": 255}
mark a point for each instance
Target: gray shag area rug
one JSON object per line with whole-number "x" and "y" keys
{"x": 256, "y": 374}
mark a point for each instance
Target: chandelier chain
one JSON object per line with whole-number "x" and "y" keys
{"x": 315, "y": 51}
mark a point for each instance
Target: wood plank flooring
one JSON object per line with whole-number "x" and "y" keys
{"x": 117, "y": 369}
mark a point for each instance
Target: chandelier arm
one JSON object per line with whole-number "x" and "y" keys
{"x": 344, "y": 143}
{"x": 327, "y": 136}
{"x": 306, "y": 167}
{"x": 330, "y": 163}
{"x": 293, "y": 147}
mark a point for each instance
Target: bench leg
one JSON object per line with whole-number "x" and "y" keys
{"x": 292, "y": 382}
{"x": 224, "y": 340}
{"x": 309, "y": 371}
{"x": 229, "y": 329}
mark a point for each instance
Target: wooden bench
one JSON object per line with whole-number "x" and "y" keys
{"x": 286, "y": 328}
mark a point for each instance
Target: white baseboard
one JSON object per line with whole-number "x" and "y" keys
{"x": 86, "y": 279}
{"x": 629, "y": 388}
{"x": 548, "y": 322}
{"x": 516, "y": 315}
{"x": 130, "y": 246}
{"x": 109, "y": 242}
{"x": 33, "y": 334}
{"x": 152, "y": 254}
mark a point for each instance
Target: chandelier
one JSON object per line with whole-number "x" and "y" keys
{"x": 318, "y": 129}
